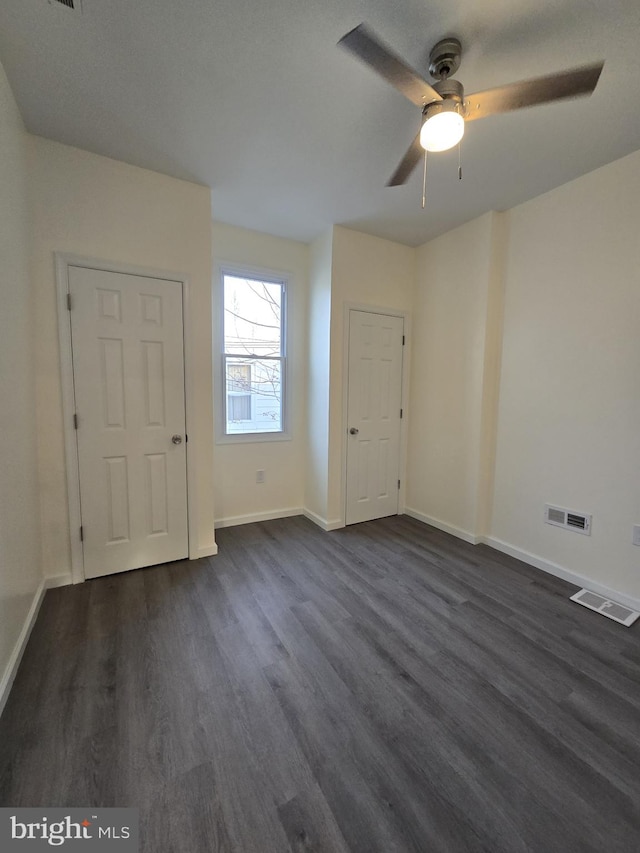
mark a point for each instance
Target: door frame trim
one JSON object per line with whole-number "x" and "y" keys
{"x": 406, "y": 362}
{"x": 63, "y": 261}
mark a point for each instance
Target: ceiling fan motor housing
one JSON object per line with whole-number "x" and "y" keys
{"x": 452, "y": 89}
{"x": 452, "y": 93}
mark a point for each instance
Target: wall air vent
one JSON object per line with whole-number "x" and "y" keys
{"x": 606, "y": 607}
{"x": 568, "y": 518}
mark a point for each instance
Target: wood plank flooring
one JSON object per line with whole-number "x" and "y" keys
{"x": 380, "y": 689}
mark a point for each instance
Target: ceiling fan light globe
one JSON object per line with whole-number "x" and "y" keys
{"x": 442, "y": 130}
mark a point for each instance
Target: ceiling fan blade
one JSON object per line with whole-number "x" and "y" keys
{"x": 364, "y": 44}
{"x": 528, "y": 93}
{"x": 414, "y": 154}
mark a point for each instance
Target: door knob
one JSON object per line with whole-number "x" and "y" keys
{"x": 354, "y": 431}
{"x": 176, "y": 439}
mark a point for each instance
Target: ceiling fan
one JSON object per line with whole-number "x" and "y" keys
{"x": 445, "y": 107}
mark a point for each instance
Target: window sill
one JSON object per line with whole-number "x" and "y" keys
{"x": 253, "y": 437}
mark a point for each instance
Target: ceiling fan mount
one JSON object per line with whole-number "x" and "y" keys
{"x": 444, "y": 59}
{"x": 445, "y": 108}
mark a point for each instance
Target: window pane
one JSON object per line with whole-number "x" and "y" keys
{"x": 239, "y": 408}
{"x": 252, "y": 317}
{"x": 239, "y": 377}
{"x": 254, "y": 395}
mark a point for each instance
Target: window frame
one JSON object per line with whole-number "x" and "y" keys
{"x": 268, "y": 276}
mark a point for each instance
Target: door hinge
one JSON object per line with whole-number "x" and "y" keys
{"x": 186, "y": 438}
{"x": 403, "y": 340}
{"x": 81, "y": 533}
{"x": 75, "y": 420}
{"x": 68, "y": 302}
{"x": 400, "y": 414}
{"x": 398, "y": 483}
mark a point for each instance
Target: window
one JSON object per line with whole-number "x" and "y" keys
{"x": 253, "y": 359}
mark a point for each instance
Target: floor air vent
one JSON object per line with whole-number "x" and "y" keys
{"x": 70, "y": 4}
{"x": 567, "y": 518}
{"x": 608, "y": 608}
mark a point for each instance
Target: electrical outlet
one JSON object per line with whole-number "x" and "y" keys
{"x": 260, "y": 475}
{"x": 636, "y": 534}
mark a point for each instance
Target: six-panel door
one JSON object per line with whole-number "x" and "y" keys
{"x": 373, "y": 415}
{"x": 128, "y": 367}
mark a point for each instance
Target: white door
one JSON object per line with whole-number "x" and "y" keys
{"x": 373, "y": 415}
{"x": 128, "y": 371}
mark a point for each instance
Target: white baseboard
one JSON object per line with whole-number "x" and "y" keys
{"x": 209, "y": 551}
{"x": 441, "y": 525}
{"x": 332, "y": 524}
{"x": 532, "y": 559}
{"x": 250, "y": 518}
{"x": 11, "y": 669}
{"x": 561, "y": 572}
{"x": 58, "y": 580}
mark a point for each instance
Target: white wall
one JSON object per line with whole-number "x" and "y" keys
{"x": 318, "y": 368}
{"x": 20, "y": 572}
{"x": 92, "y": 206}
{"x": 238, "y": 497}
{"x": 569, "y": 415}
{"x": 366, "y": 271}
{"x": 454, "y": 369}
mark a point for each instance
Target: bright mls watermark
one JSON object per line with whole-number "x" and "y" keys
{"x": 103, "y": 830}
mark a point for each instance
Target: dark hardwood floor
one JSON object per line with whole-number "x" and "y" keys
{"x": 380, "y": 688}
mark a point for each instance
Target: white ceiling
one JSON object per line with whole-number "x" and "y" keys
{"x": 254, "y": 99}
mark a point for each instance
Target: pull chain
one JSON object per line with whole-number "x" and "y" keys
{"x": 459, "y": 162}
{"x": 424, "y": 181}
